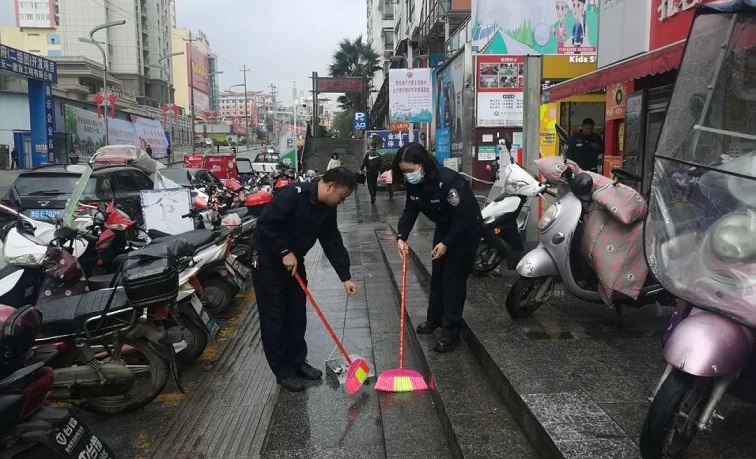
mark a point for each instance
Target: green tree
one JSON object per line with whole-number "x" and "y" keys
{"x": 342, "y": 123}
{"x": 354, "y": 58}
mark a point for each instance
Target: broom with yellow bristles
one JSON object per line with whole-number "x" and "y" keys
{"x": 401, "y": 380}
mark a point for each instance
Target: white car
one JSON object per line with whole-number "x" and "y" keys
{"x": 265, "y": 162}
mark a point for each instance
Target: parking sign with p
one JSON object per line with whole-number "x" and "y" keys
{"x": 360, "y": 121}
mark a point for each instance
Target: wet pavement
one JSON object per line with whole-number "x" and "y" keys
{"x": 565, "y": 383}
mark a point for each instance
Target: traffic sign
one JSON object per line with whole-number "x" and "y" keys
{"x": 360, "y": 121}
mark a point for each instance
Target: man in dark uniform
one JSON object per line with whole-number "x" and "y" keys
{"x": 447, "y": 199}
{"x": 287, "y": 229}
{"x": 585, "y": 147}
{"x": 372, "y": 162}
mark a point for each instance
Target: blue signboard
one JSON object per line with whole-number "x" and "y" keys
{"x": 360, "y": 121}
{"x": 28, "y": 65}
{"x": 393, "y": 140}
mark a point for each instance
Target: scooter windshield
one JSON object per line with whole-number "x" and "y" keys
{"x": 701, "y": 227}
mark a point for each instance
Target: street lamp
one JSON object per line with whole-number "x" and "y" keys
{"x": 92, "y": 41}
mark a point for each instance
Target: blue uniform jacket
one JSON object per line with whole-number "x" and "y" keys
{"x": 448, "y": 201}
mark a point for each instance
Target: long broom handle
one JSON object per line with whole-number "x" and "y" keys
{"x": 323, "y": 319}
{"x": 403, "y": 307}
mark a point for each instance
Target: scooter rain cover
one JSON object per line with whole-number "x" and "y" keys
{"x": 700, "y": 232}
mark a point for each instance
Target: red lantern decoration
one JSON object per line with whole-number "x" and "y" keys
{"x": 175, "y": 109}
{"x": 215, "y": 115}
{"x": 112, "y": 98}
{"x": 165, "y": 109}
{"x": 98, "y": 100}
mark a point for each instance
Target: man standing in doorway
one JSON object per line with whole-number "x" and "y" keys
{"x": 14, "y": 159}
{"x": 585, "y": 147}
{"x": 372, "y": 162}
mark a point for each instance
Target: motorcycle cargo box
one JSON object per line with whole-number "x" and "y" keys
{"x": 256, "y": 202}
{"x": 151, "y": 277}
{"x": 18, "y": 329}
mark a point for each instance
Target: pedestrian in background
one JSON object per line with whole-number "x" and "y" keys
{"x": 334, "y": 162}
{"x": 585, "y": 147}
{"x": 371, "y": 163}
{"x": 388, "y": 179}
{"x": 447, "y": 199}
{"x": 73, "y": 157}
{"x": 287, "y": 229}
{"x": 14, "y": 159}
{"x": 169, "y": 153}
{"x": 149, "y": 150}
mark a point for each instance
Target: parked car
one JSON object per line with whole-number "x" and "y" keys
{"x": 41, "y": 193}
{"x": 265, "y": 162}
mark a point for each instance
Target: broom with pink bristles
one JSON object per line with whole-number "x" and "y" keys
{"x": 401, "y": 380}
{"x": 359, "y": 370}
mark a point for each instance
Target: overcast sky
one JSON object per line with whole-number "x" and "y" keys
{"x": 282, "y": 41}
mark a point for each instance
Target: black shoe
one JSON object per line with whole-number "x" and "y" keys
{"x": 292, "y": 384}
{"x": 447, "y": 344}
{"x": 426, "y": 329}
{"x": 372, "y": 201}
{"x": 307, "y": 371}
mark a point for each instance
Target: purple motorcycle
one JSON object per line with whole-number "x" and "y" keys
{"x": 700, "y": 233}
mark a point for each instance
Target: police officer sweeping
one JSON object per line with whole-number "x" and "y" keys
{"x": 446, "y": 198}
{"x": 287, "y": 229}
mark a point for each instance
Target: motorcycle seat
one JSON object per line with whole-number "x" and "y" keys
{"x": 240, "y": 211}
{"x": 199, "y": 239}
{"x": 67, "y": 316}
{"x": 100, "y": 282}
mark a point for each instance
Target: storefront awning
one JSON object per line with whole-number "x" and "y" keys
{"x": 657, "y": 61}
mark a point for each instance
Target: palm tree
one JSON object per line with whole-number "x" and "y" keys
{"x": 354, "y": 59}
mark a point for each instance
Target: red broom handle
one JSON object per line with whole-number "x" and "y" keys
{"x": 323, "y": 319}
{"x": 404, "y": 306}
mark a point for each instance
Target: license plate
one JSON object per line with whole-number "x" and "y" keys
{"x": 44, "y": 214}
{"x": 73, "y": 439}
{"x": 212, "y": 326}
{"x": 238, "y": 266}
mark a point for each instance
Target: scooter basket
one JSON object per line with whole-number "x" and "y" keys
{"x": 150, "y": 278}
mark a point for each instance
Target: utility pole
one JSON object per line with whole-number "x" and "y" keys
{"x": 273, "y": 94}
{"x": 246, "y": 109}
{"x": 191, "y": 40}
{"x": 314, "y": 126}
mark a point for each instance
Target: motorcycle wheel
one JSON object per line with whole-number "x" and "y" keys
{"x": 670, "y": 424}
{"x": 151, "y": 373}
{"x": 196, "y": 341}
{"x": 519, "y": 301}
{"x": 217, "y": 295}
{"x": 487, "y": 258}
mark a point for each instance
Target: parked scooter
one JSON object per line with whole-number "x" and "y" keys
{"x": 29, "y": 427}
{"x": 709, "y": 263}
{"x": 505, "y": 215}
{"x": 559, "y": 262}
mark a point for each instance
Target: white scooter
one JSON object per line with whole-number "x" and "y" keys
{"x": 506, "y": 214}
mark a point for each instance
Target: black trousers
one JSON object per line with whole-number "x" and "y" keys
{"x": 448, "y": 289}
{"x": 281, "y": 304}
{"x": 372, "y": 183}
{"x": 390, "y": 188}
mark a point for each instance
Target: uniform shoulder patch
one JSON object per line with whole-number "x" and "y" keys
{"x": 453, "y": 197}
{"x": 299, "y": 189}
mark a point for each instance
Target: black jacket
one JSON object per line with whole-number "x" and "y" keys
{"x": 372, "y": 162}
{"x": 447, "y": 200}
{"x": 585, "y": 150}
{"x": 293, "y": 220}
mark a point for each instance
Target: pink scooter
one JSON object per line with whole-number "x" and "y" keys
{"x": 708, "y": 263}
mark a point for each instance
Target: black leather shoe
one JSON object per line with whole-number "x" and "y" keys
{"x": 447, "y": 344}
{"x": 292, "y": 384}
{"x": 307, "y": 371}
{"x": 426, "y": 329}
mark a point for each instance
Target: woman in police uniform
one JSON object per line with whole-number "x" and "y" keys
{"x": 445, "y": 197}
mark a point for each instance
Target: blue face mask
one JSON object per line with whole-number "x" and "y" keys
{"x": 414, "y": 177}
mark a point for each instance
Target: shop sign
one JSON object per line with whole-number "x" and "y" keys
{"x": 615, "y": 100}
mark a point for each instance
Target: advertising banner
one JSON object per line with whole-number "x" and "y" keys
{"x": 122, "y": 132}
{"x": 151, "y": 133}
{"x": 201, "y": 101}
{"x": 410, "y": 97}
{"x": 391, "y": 141}
{"x": 499, "y": 81}
{"x": 615, "y": 100}
{"x": 199, "y": 69}
{"x": 86, "y": 129}
{"x": 535, "y": 27}
{"x": 449, "y": 87}
{"x": 548, "y": 136}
